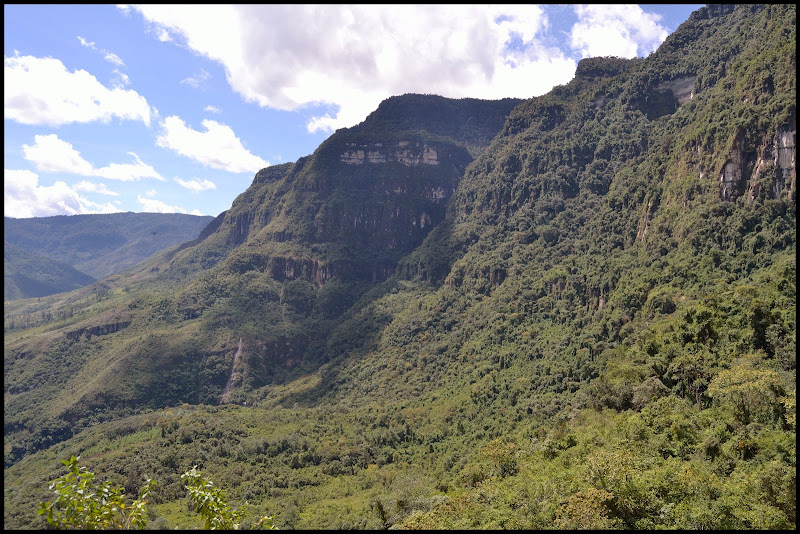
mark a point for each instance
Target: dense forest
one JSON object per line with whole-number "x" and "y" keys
{"x": 576, "y": 311}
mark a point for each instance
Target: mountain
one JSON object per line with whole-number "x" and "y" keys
{"x": 575, "y": 311}
{"x": 33, "y": 275}
{"x": 102, "y": 244}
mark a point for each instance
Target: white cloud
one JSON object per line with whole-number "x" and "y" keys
{"x": 353, "y": 57}
{"x": 128, "y": 172}
{"x": 616, "y": 30}
{"x": 115, "y": 59}
{"x": 122, "y": 80}
{"x": 348, "y": 58}
{"x": 86, "y": 43}
{"x": 151, "y": 205}
{"x": 196, "y": 80}
{"x": 212, "y": 109}
{"x": 196, "y": 185}
{"x": 217, "y": 147}
{"x": 43, "y": 91}
{"x": 23, "y": 197}
{"x": 51, "y": 154}
{"x": 109, "y": 56}
{"x": 93, "y": 187}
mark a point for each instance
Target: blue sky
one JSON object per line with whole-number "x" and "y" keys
{"x": 174, "y": 108}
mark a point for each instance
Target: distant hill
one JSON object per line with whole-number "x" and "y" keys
{"x": 27, "y": 274}
{"x": 96, "y": 245}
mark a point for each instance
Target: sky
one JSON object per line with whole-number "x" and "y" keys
{"x": 173, "y": 109}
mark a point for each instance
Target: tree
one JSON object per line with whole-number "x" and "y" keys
{"x": 503, "y": 456}
{"x": 211, "y": 503}
{"x": 587, "y": 509}
{"x": 84, "y": 503}
{"x": 754, "y": 394}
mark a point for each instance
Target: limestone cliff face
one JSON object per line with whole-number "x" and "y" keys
{"x": 681, "y": 88}
{"x": 365, "y": 198}
{"x": 354, "y": 214}
{"x": 769, "y": 166}
{"x": 404, "y": 152}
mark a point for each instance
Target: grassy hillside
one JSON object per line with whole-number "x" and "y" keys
{"x": 595, "y": 328}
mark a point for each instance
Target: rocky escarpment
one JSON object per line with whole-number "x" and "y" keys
{"x": 100, "y": 330}
{"x": 768, "y": 166}
{"x": 666, "y": 97}
{"x": 681, "y": 88}
{"x": 404, "y": 152}
{"x": 284, "y": 268}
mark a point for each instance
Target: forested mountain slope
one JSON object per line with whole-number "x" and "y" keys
{"x": 27, "y": 274}
{"x": 102, "y": 244}
{"x": 277, "y": 270}
{"x": 588, "y": 322}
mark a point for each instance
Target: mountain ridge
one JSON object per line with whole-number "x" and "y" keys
{"x": 102, "y": 244}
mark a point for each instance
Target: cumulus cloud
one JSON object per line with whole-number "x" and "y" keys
{"x": 196, "y": 185}
{"x": 42, "y": 91}
{"x": 212, "y": 109}
{"x": 51, "y": 154}
{"x": 93, "y": 187}
{"x": 152, "y": 205}
{"x": 217, "y": 147}
{"x": 128, "y": 172}
{"x": 349, "y": 58}
{"x": 616, "y": 30}
{"x": 23, "y": 197}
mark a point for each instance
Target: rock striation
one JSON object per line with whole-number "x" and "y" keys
{"x": 404, "y": 152}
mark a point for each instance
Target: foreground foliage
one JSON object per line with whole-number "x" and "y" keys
{"x": 87, "y": 504}
{"x": 84, "y": 503}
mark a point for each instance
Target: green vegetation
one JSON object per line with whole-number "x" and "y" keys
{"x": 85, "y": 504}
{"x": 596, "y": 327}
{"x": 98, "y": 245}
{"x": 32, "y": 275}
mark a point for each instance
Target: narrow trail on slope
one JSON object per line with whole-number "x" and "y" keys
{"x": 226, "y": 393}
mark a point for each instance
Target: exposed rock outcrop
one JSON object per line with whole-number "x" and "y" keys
{"x": 97, "y": 330}
{"x": 730, "y": 175}
{"x": 682, "y": 88}
{"x": 404, "y": 152}
{"x": 770, "y": 165}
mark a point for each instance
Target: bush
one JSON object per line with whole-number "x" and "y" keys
{"x": 83, "y": 503}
